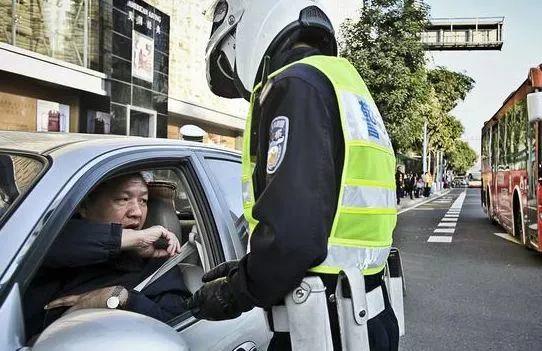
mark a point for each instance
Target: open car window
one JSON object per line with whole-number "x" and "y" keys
{"x": 171, "y": 203}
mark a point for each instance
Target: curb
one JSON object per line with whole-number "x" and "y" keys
{"x": 424, "y": 202}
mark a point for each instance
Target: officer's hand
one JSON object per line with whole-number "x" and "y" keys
{"x": 214, "y": 301}
{"x": 220, "y": 271}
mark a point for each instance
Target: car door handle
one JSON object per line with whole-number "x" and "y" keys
{"x": 247, "y": 346}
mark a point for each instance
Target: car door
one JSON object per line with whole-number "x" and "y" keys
{"x": 220, "y": 174}
{"x": 201, "y": 335}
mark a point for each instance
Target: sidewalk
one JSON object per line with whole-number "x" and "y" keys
{"x": 407, "y": 203}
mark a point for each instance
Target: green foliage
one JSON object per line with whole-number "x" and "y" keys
{"x": 384, "y": 46}
{"x": 461, "y": 157}
{"x": 450, "y": 87}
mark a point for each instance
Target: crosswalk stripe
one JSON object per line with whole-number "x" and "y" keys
{"x": 447, "y": 224}
{"x": 444, "y": 230}
{"x": 439, "y": 239}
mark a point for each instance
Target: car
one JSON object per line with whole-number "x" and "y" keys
{"x": 459, "y": 182}
{"x": 475, "y": 180}
{"x": 52, "y": 172}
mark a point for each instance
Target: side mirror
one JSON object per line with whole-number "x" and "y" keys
{"x": 534, "y": 106}
{"x": 101, "y": 329}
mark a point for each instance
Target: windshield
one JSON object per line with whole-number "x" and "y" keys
{"x": 17, "y": 175}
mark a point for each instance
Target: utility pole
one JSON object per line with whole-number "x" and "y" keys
{"x": 424, "y": 156}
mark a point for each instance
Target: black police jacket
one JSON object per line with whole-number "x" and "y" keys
{"x": 296, "y": 203}
{"x": 86, "y": 256}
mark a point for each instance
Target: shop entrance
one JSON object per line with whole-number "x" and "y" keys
{"x": 141, "y": 122}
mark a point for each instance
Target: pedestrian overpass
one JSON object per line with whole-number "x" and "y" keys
{"x": 479, "y": 33}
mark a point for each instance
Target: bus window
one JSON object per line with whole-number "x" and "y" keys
{"x": 485, "y": 149}
{"x": 502, "y": 145}
{"x": 494, "y": 146}
{"x": 522, "y": 137}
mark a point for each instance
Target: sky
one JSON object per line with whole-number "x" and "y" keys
{"x": 497, "y": 73}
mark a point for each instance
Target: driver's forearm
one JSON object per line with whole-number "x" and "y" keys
{"x": 83, "y": 243}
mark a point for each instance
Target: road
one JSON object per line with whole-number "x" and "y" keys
{"x": 467, "y": 288}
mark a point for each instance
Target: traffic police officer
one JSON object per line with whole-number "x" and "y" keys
{"x": 318, "y": 166}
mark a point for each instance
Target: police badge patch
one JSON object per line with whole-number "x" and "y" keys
{"x": 278, "y": 139}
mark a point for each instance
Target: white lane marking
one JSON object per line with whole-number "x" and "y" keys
{"x": 423, "y": 203}
{"x": 446, "y": 219}
{"x": 439, "y": 239}
{"x": 449, "y": 221}
{"x": 444, "y": 230}
{"x": 508, "y": 237}
{"x": 442, "y": 224}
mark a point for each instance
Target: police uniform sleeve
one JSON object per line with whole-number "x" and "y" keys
{"x": 296, "y": 208}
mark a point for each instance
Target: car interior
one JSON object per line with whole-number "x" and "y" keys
{"x": 171, "y": 204}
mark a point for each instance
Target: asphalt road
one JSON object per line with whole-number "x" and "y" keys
{"x": 475, "y": 292}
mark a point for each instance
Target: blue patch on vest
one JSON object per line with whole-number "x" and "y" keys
{"x": 370, "y": 119}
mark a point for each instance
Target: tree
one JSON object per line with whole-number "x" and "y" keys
{"x": 450, "y": 87}
{"x": 462, "y": 157}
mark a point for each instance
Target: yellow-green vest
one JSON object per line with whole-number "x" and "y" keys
{"x": 366, "y": 214}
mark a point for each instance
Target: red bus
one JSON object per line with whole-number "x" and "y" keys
{"x": 512, "y": 163}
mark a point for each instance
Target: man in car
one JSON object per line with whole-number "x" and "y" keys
{"x": 105, "y": 253}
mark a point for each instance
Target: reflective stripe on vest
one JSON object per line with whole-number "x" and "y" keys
{"x": 366, "y": 214}
{"x": 365, "y": 259}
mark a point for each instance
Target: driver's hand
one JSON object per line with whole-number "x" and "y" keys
{"x": 142, "y": 242}
{"x": 92, "y": 299}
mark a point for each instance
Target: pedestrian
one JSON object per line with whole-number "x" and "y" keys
{"x": 419, "y": 186}
{"x": 409, "y": 185}
{"x": 399, "y": 184}
{"x": 428, "y": 184}
{"x": 300, "y": 137}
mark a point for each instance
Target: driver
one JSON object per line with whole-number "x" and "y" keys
{"x": 105, "y": 252}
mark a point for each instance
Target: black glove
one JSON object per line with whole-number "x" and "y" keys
{"x": 220, "y": 271}
{"x": 215, "y": 300}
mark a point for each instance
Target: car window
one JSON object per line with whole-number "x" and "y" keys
{"x": 227, "y": 174}
{"x": 168, "y": 200}
{"x": 17, "y": 174}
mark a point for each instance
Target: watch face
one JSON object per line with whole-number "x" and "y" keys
{"x": 113, "y": 302}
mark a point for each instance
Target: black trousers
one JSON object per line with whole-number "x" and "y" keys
{"x": 383, "y": 329}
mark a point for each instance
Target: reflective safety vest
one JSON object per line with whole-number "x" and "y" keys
{"x": 366, "y": 214}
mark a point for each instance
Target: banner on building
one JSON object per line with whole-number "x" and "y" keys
{"x": 142, "y": 56}
{"x": 52, "y": 117}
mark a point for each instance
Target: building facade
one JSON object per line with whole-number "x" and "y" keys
{"x": 91, "y": 66}
{"x": 127, "y": 67}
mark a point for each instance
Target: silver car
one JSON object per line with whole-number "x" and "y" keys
{"x": 51, "y": 173}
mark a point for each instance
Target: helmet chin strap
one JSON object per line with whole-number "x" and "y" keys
{"x": 265, "y": 70}
{"x": 228, "y": 50}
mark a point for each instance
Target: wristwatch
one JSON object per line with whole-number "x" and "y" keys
{"x": 113, "y": 301}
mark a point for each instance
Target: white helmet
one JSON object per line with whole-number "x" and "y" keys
{"x": 245, "y": 31}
